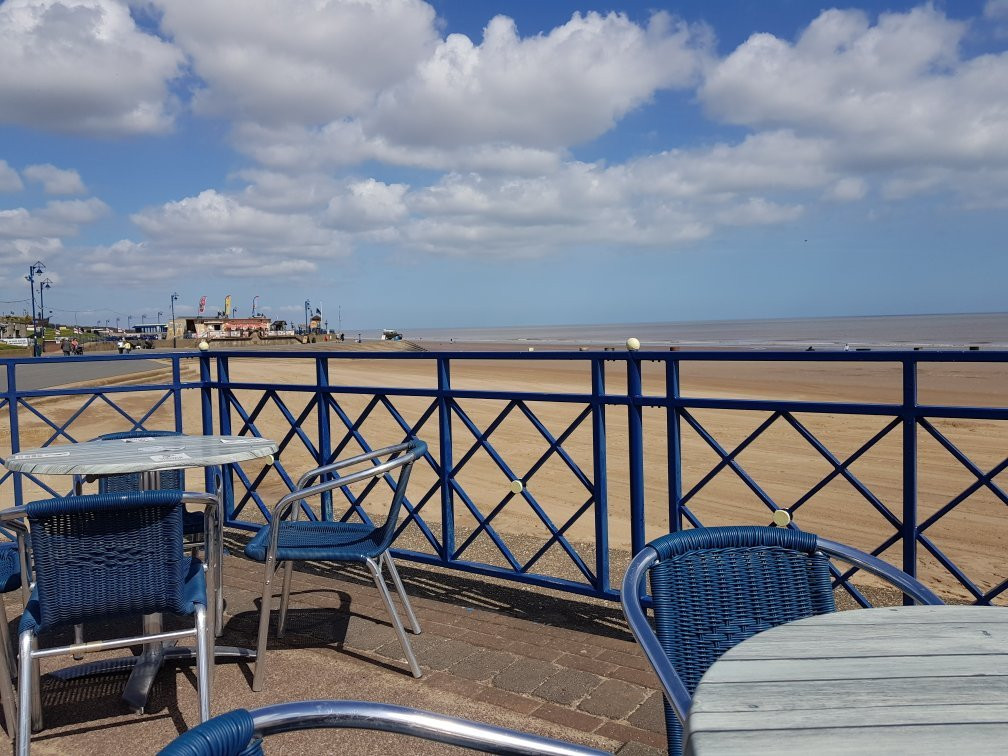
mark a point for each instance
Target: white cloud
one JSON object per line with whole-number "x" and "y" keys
{"x": 547, "y": 91}
{"x": 344, "y": 143}
{"x": 127, "y": 262}
{"x": 244, "y": 240}
{"x": 757, "y": 211}
{"x": 56, "y": 219}
{"x": 889, "y": 95}
{"x": 9, "y": 179}
{"x": 23, "y": 252}
{"x": 272, "y": 190}
{"x": 55, "y": 180}
{"x": 83, "y": 66}
{"x": 299, "y": 61}
{"x": 847, "y": 189}
{"x": 368, "y": 204}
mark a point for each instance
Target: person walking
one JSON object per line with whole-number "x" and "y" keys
{"x": 129, "y": 346}
{"x": 74, "y": 345}
{"x": 121, "y": 345}
{"x": 65, "y": 346}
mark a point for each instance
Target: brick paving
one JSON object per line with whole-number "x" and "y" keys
{"x": 514, "y": 656}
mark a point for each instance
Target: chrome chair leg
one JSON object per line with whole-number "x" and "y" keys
{"x": 24, "y": 727}
{"x": 259, "y": 675}
{"x": 78, "y": 638}
{"x": 36, "y": 687}
{"x": 203, "y": 656}
{"x": 285, "y": 597}
{"x": 396, "y": 622}
{"x": 397, "y": 582}
{"x": 219, "y": 568}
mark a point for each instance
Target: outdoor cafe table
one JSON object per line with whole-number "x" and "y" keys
{"x": 147, "y": 456}
{"x": 921, "y": 679}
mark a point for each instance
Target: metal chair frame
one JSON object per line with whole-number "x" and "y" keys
{"x": 29, "y": 707}
{"x": 8, "y": 697}
{"x": 677, "y": 696}
{"x": 409, "y": 452}
{"x": 362, "y": 715}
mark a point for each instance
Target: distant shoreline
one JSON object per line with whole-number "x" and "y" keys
{"x": 898, "y": 332}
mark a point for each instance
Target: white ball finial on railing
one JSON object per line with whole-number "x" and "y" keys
{"x": 633, "y": 344}
{"x": 203, "y": 345}
{"x": 781, "y": 518}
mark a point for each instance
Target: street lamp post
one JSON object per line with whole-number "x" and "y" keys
{"x": 34, "y": 270}
{"x": 117, "y": 325}
{"x": 307, "y": 305}
{"x": 43, "y": 285}
{"x": 174, "y": 296}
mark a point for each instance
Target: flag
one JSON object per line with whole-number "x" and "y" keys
{"x": 227, "y": 306}
{"x": 202, "y": 304}
{"x": 318, "y": 311}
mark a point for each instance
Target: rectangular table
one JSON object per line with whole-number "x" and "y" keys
{"x": 922, "y": 679}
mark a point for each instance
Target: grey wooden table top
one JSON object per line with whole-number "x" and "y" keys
{"x": 895, "y": 680}
{"x": 108, "y": 457}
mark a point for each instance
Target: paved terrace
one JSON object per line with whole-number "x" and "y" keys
{"x": 503, "y": 654}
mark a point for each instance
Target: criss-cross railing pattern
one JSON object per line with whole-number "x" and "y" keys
{"x": 447, "y": 516}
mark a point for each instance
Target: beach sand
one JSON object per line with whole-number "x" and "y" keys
{"x": 784, "y": 465}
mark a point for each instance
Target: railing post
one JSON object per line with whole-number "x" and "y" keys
{"x": 600, "y": 485}
{"x": 445, "y": 461}
{"x": 635, "y": 438}
{"x": 12, "y": 414}
{"x": 909, "y": 468}
{"x": 324, "y": 442}
{"x": 176, "y": 375}
{"x": 674, "y": 442}
{"x": 206, "y": 408}
{"x": 224, "y": 408}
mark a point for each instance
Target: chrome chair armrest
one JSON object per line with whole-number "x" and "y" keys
{"x": 672, "y": 685}
{"x": 907, "y": 584}
{"x": 411, "y": 447}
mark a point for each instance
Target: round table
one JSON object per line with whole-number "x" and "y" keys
{"x": 147, "y": 456}
{"x": 921, "y": 679}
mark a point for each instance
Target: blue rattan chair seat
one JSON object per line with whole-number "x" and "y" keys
{"x": 229, "y": 734}
{"x": 306, "y": 539}
{"x": 10, "y": 567}
{"x": 193, "y": 593}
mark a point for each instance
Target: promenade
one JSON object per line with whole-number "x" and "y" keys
{"x": 515, "y": 657}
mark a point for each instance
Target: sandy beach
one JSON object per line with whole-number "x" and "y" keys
{"x": 783, "y": 464}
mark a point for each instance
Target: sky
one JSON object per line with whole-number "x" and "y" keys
{"x": 406, "y": 164}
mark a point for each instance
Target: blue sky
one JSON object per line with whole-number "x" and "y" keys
{"x": 461, "y": 163}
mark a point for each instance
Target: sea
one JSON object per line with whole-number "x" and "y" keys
{"x": 987, "y": 331}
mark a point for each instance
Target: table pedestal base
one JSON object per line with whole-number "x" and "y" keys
{"x": 145, "y": 668}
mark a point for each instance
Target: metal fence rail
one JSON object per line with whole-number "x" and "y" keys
{"x": 445, "y": 416}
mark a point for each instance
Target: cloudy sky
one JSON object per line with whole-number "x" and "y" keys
{"x": 404, "y": 164}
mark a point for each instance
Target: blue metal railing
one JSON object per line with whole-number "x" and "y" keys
{"x": 327, "y": 427}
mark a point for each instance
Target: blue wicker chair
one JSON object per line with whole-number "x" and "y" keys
{"x": 194, "y": 524}
{"x": 287, "y": 539}
{"x": 10, "y": 580}
{"x": 240, "y": 732}
{"x": 102, "y": 556}
{"x": 714, "y": 587}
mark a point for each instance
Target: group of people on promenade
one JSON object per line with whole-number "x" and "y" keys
{"x": 71, "y": 346}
